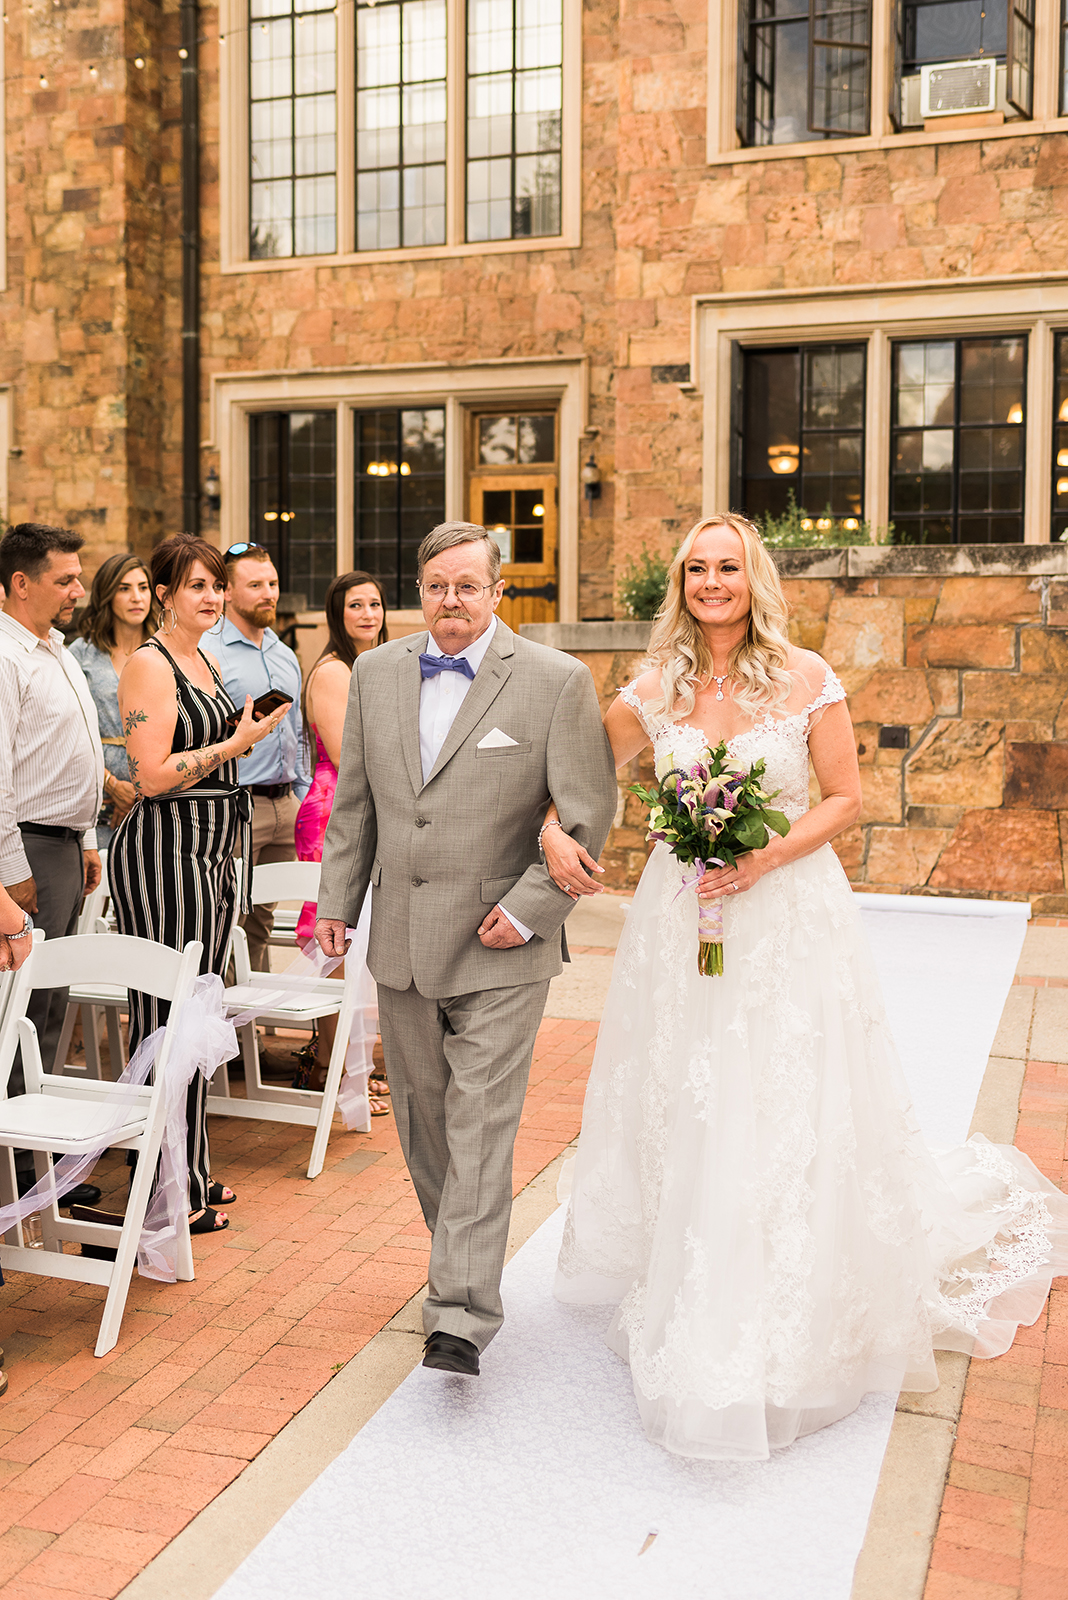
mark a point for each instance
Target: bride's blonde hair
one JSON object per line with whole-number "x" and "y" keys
{"x": 677, "y": 646}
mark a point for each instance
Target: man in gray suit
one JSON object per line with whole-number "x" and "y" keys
{"x": 448, "y": 764}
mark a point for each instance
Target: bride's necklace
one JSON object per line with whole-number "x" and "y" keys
{"x": 719, "y": 682}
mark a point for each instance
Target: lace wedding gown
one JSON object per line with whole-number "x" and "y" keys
{"x": 751, "y": 1186}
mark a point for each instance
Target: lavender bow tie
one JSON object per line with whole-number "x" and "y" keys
{"x": 430, "y": 666}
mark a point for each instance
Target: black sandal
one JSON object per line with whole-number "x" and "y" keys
{"x": 217, "y": 1195}
{"x": 208, "y": 1222}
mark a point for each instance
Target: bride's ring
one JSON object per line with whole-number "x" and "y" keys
{"x": 734, "y": 886}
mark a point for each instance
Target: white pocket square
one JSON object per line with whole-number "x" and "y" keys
{"x": 494, "y": 740}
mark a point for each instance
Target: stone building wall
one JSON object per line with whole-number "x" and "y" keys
{"x": 968, "y": 651}
{"x": 91, "y": 315}
{"x": 83, "y": 346}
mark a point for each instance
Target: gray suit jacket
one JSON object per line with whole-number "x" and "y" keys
{"x": 440, "y": 855}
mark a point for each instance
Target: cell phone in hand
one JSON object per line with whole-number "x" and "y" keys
{"x": 263, "y": 706}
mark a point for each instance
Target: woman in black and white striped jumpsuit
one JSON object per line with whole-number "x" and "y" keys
{"x": 171, "y": 864}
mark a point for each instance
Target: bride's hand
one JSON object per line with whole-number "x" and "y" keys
{"x": 569, "y": 864}
{"x": 722, "y": 883}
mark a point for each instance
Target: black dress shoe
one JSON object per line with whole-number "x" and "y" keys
{"x": 83, "y": 1194}
{"x": 449, "y": 1353}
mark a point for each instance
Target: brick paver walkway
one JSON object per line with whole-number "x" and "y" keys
{"x": 1003, "y": 1532}
{"x": 102, "y": 1462}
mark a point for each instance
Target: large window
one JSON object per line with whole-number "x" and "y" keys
{"x": 293, "y": 496}
{"x": 958, "y": 440}
{"x": 400, "y": 123}
{"x": 444, "y": 125}
{"x": 800, "y": 443}
{"x": 987, "y": 47}
{"x": 399, "y": 494}
{"x": 1059, "y": 525}
{"x": 804, "y": 69}
{"x": 514, "y": 102}
{"x": 292, "y": 127}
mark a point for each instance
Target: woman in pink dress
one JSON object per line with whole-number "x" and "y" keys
{"x": 356, "y": 621}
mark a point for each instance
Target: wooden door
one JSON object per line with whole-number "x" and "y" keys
{"x": 520, "y": 510}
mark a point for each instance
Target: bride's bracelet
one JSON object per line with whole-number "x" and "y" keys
{"x": 554, "y": 822}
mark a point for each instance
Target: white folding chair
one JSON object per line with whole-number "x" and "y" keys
{"x": 315, "y": 999}
{"x": 72, "y": 1117}
{"x": 109, "y": 998}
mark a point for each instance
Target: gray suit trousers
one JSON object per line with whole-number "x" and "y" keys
{"x": 458, "y": 1069}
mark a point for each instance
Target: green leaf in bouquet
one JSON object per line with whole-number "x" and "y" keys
{"x": 777, "y": 823}
{"x": 749, "y": 832}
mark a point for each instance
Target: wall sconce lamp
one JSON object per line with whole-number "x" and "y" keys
{"x": 213, "y": 490}
{"x": 591, "y": 480}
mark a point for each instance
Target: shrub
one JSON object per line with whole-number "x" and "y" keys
{"x": 798, "y": 528}
{"x": 643, "y": 585}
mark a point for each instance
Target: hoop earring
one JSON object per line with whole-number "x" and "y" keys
{"x": 174, "y": 624}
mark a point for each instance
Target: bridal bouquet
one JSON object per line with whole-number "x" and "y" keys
{"x": 714, "y": 804}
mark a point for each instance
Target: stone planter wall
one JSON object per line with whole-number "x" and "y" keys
{"x": 967, "y": 649}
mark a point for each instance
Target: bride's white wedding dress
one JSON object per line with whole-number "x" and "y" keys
{"x": 751, "y": 1186}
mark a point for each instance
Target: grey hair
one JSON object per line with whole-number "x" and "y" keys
{"x": 449, "y": 534}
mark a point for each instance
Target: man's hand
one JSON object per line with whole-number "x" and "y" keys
{"x": 330, "y": 937}
{"x": 497, "y": 933}
{"x": 24, "y": 894}
{"x": 92, "y": 870}
{"x": 123, "y": 797}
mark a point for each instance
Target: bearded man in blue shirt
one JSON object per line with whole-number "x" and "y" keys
{"x": 253, "y": 661}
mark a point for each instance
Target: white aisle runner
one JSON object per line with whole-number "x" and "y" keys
{"x": 535, "y": 1480}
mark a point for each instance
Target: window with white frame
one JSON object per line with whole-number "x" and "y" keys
{"x": 399, "y": 124}
{"x": 292, "y": 128}
{"x": 944, "y": 407}
{"x": 959, "y": 440}
{"x": 804, "y": 69}
{"x": 826, "y": 70}
{"x": 293, "y": 497}
{"x": 962, "y": 56}
{"x": 514, "y": 110}
{"x": 399, "y": 493}
{"x": 799, "y": 421}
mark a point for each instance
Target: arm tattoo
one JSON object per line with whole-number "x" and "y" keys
{"x": 134, "y": 769}
{"x": 133, "y": 718}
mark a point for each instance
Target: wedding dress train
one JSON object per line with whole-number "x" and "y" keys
{"x": 751, "y": 1186}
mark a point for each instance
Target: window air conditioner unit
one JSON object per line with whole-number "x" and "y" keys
{"x": 953, "y": 88}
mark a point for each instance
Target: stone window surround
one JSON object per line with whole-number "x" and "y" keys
{"x": 563, "y": 379}
{"x": 234, "y": 158}
{"x": 722, "y": 138}
{"x": 879, "y": 313}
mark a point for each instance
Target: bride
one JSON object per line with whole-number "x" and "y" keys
{"x": 751, "y": 1188}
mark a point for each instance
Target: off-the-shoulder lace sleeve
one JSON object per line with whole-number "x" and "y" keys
{"x": 829, "y": 695}
{"x": 630, "y": 695}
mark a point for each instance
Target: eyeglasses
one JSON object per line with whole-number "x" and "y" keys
{"x": 242, "y": 549}
{"x": 462, "y": 591}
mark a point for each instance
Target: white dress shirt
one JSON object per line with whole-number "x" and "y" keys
{"x": 51, "y": 758}
{"x": 440, "y": 698}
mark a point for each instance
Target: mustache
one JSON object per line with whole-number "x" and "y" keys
{"x": 456, "y": 616}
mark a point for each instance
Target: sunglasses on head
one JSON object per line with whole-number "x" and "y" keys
{"x": 242, "y": 549}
